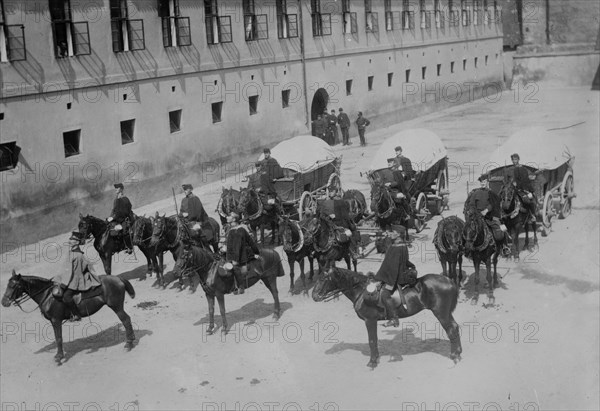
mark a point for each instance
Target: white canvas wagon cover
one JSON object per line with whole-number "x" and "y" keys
{"x": 423, "y": 147}
{"x": 537, "y": 148}
{"x": 302, "y": 153}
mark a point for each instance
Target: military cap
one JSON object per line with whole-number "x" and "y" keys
{"x": 483, "y": 177}
{"x": 341, "y": 109}
{"x": 267, "y": 150}
{"x": 119, "y": 185}
{"x": 515, "y": 155}
{"x": 187, "y": 187}
{"x": 399, "y": 148}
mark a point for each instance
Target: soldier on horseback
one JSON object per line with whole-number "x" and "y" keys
{"x": 521, "y": 181}
{"x": 398, "y": 187}
{"x": 337, "y": 211}
{"x": 193, "y": 212}
{"x": 241, "y": 249}
{"x": 262, "y": 182}
{"x": 121, "y": 216}
{"x": 82, "y": 278}
{"x": 481, "y": 201}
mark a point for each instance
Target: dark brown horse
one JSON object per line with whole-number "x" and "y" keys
{"x": 386, "y": 211}
{"x": 111, "y": 293}
{"x": 216, "y": 281}
{"x": 516, "y": 218}
{"x": 105, "y": 244}
{"x": 229, "y": 202}
{"x": 142, "y": 229}
{"x": 166, "y": 236}
{"x": 357, "y": 202}
{"x": 252, "y": 209}
{"x": 480, "y": 246}
{"x": 448, "y": 242}
{"x": 297, "y": 244}
{"x": 432, "y": 291}
{"x": 328, "y": 248}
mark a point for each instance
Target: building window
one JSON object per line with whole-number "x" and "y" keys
{"x": 476, "y": 13}
{"x": 127, "y": 130}
{"x": 127, "y": 34}
{"x": 287, "y": 24}
{"x": 255, "y": 26}
{"x": 175, "y": 121}
{"x": 390, "y": 79}
{"x": 408, "y": 16}
{"x": 12, "y": 39}
{"x": 407, "y": 76}
{"x": 371, "y": 18}
{"x": 253, "y": 104}
{"x": 475, "y": 62}
{"x": 217, "y": 109}
{"x": 175, "y": 28}
{"x": 321, "y": 23}
{"x": 348, "y": 87}
{"x": 497, "y": 13}
{"x": 218, "y": 28}
{"x": 423, "y": 70}
{"x": 285, "y": 98}
{"x": 486, "y": 60}
{"x": 393, "y": 19}
{"x": 464, "y": 64}
{"x": 439, "y": 70}
{"x": 451, "y": 67}
{"x": 71, "y": 140}
{"x": 454, "y": 16}
{"x": 370, "y": 83}
{"x": 9, "y": 155}
{"x": 439, "y": 15}
{"x": 349, "y": 19}
{"x": 70, "y": 38}
{"x": 425, "y": 15}
{"x": 465, "y": 13}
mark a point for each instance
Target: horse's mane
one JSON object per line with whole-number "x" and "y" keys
{"x": 353, "y": 277}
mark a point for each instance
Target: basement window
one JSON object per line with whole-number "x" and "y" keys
{"x": 285, "y": 98}
{"x": 71, "y": 140}
{"x": 217, "y": 109}
{"x": 127, "y": 130}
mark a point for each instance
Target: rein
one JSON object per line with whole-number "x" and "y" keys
{"x": 331, "y": 295}
{"x": 488, "y": 237}
{"x": 27, "y": 296}
{"x": 246, "y": 202}
{"x": 384, "y": 193}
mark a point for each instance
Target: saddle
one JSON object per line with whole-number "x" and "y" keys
{"x": 372, "y": 294}
{"x": 58, "y": 292}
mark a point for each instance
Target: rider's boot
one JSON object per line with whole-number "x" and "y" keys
{"x": 392, "y": 314}
{"x": 240, "y": 279}
{"x": 68, "y": 300}
{"x": 507, "y": 244}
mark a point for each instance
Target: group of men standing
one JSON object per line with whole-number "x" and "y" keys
{"x": 325, "y": 126}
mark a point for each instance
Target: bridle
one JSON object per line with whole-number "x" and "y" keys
{"x": 161, "y": 222}
{"x": 245, "y": 198}
{"x": 380, "y": 193}
{"x": 25, "y": 295}
{"x": 289, "y": 225}
{"x": 330, "y": 237}
{"x": 474, "y": 221}
{"x": 138, "y": 226}
{"x": 334, "y": 294}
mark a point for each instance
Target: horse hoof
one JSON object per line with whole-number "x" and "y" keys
{"x": 276, "y": 316}
{"x": 210, "y": 330}
{"x": 456, "y": 359}
{"x": 128, "y": 346}
{"x": 372, "y": 364}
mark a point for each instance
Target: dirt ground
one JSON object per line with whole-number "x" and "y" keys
{"x": 536, "y": 348}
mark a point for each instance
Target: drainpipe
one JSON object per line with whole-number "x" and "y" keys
{"x": 303, "y": 62}
{"x": 548, "y": 22}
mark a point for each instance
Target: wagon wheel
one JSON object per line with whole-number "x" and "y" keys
{"x": 307, "y": 203}
{"x": 441, "y": 192}
{"x": 421, "y": 212}
{"x": 567, "y": 189}
{"x": 548, "y": 213}
{"x": 334, "y": 182}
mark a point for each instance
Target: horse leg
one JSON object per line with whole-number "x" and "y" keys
{"x": 271, "y": 284}
{"x": 211, "y": 314}
{"x": 517, "y": 245}
{"x": 495, "y": 263}
{"x": 451, "y": 327}
{"x": 460, "y": 276}
{"x": 372, "y": 332}
{"x": 444, "y": 269}
{"x": 221, "y": 301}
{"x": 60, "y": 355}
{"x": 490, "y": 280}
{"x": 302, "y": 276}
{"x": 354, "y": 263}
{"x": 291, "y": 259}
{"x": 126, "y": 320}
{"x": 476, "y": 263}
{"x": 311, "y": 260}
{"x": 107, "y": 262}
{"x": 347, "y": 260}
{"x": 160, "y": 273}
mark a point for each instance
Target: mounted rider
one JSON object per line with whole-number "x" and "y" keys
{"x": 267, "y": 170}
{"x": 241, "y": 249}
{"x": 520, "y": 179}
{"x": 122, "y": 217}
{"x": 397, "y": 187}
{"x": 193, "y": 213}
{"x": 480, "y": 199}
{"x": 82, "y": 278}
{"x": 337, "y": 211}
{"x": 395, "y": 272}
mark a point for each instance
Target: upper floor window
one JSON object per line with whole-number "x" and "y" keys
{"x": 425, "y": 15}
{"x": 127, "y": 34}
{"x": 287, "y": 24}
{"x": 439, "y": 14}
{"x": 12, "y": 39}
{"x": 321, "y": 23}
{"x": 255, "y": 26}
{"x": 349, "y": 18}
{"x": 70, "y": 38}
{"x": 371, "y": 19}
{"x": 392, "y": 18}
{"x": 175, "y": 28}
{"x": 408, "y": 16}
{"x": 218, "y": 28}
{"x": 476, "y": 13}
{"x": 465, "y": 13}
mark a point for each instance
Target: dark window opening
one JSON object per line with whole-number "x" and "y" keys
{"x": 390, "y": 78}
{"x": 423, "y": 70}
{"x": 464, "y": 64}
{"x": 407, "y": 79}
{"x": 175, "y": 121}
{"x": 439, "y": 69}
{"x": 486, "y": 60}
{"x": 370, "y": 83}
{"x": 9, "y": 155}
{"x": 71, "y": 140}
{"x": 127, "y": 130}
{"x": 451, "y": 67}
{"x": 348, "y": 87}
{"x": 217, "y": 108}
{"x": 475, "y": 62}
{"x": 253, "y": 104}
{"x": 285, "y": 98}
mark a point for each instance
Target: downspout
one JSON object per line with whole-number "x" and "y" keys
{"x": 548, "y": 22}
{"x": 303, "y": 63}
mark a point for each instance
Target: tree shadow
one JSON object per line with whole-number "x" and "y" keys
{"x": 110, "y": 337}
{"x": 578, "y": 286}
{"x": 247, "y": 313}
{"x": 403, "y": 342}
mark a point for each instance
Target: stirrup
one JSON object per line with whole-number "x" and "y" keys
{"x": 75, "y": 318}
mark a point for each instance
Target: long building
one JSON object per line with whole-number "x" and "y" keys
{"x": 149, "y": 91}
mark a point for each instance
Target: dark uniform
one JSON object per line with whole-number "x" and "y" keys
{"x": 192, "y": 205}
{"x": 481, "y": 199}
{"x": 362, "y": 124}
{"x": 241, "y": 248}
{"x": 332, "y": 126}
{"x": 405, "y": 166}
{"x": 272, "y": 168}
{"x": 344, "y": 123}
{"x": 520, "y": 176}
{"x": 340, "y": 210}
{"x": 319, "y": 127}
{"x": 397, "y": 185}
{"x": 122, "y": 214}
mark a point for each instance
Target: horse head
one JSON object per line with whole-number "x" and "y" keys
{"x": 14, "y": 289}
{"x": 159, "y": 228}
{"x": 138, "y": 230}
{"x": 453, "y": 235}
{"x": 329, "y": 284}
{"x": 90, "y": 226}
{"x": 507, "y": 194}
{"x": 229, "y": 200}
{"x": 473, "y": 226}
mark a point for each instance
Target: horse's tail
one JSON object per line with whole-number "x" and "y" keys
{"x": 454, "y": 300}
{"x": 128, "y": 288}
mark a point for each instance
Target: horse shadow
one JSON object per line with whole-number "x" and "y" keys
{"x": 247, "y": 313}
{"x": 403, "y": 342}
{"x": 107, "y": 338}
{"x": 299, "y": 287}
{"x": 468, "y": 285}
{"x": 138, "y": 273}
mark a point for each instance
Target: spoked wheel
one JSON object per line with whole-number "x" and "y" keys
{"x": 547, "y": 213}
{"x": 567, "y": 190}
{"x": 334, "y": 182}
{"x": 441, "y": 192}
{"x": 420, "y": 212}
{"x": 307, "y": 203}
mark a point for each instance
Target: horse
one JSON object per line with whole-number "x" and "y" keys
{"x": 328, "y": 249}
{"x": 516, "y": 217}
{"x": 105, "y": 244}
{"x": 297, "y": 244}
{"x": 142, "y": 228}
{"x": 229, "y": 202}
{"x": 111, "y": 292}
{"x": 385, "y": 209}
{"x": 251, "y": 206}
{"x": 432, "y": 291}
{"x": 216, "y": 281}
{"x": 448, "y": 242}
{"x": 480, "y": 245}
{"x": 357, "y": 203}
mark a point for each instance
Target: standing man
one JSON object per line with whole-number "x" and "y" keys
{"x": 521, "y": 181}
{"x": 344, "y": 123}
{"x": 404, "y": 164}
{"x": 332, "y": 119}
{"x": 319, "y": 127}
{"x": 239, "y": 245}
{"x": 122, "y": 214}
{"x": 82, "y": 278}
{"x": 362, "y": 123}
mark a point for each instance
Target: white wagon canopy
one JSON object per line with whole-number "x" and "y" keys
{"x": 302, "y": 154}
